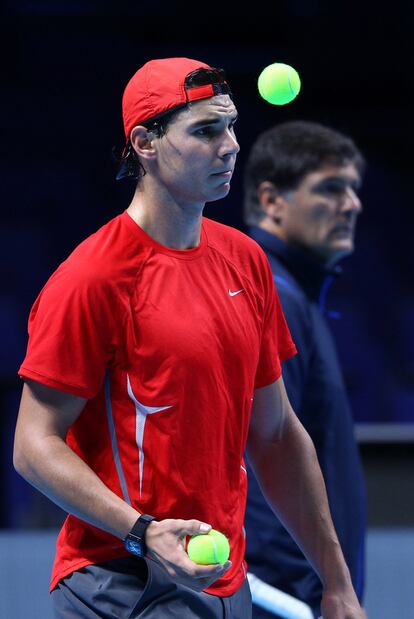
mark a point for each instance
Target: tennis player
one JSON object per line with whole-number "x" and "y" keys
{"x": 154, "y": 358}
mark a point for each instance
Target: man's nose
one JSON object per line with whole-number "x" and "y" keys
{"x": 230, "y": 145}
{"x": 351, "y": 201}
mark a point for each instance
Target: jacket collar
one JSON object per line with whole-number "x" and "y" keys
{"x": 313, "y": 276}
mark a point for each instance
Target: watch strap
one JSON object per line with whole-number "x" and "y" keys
{"x": 140, "y": 527}
{"x": 137, "y": 533}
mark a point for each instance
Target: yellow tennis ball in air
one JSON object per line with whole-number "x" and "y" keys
{"x": 278, "y": 83}
{"x": 213, "y": 547}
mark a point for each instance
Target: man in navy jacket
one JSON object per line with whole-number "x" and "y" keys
{"x": 301, "y": 203}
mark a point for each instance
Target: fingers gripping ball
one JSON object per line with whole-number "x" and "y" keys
{"x": 278, "y": 83}
{"x": 213, "y": 547}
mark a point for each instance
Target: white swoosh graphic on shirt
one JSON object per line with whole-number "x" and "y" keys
{"x": 142, "y": 413}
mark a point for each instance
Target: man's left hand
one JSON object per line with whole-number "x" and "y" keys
{"x": 341, "y": 605}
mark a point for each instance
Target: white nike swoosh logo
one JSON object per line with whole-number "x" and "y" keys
{"x": 233, "y": 294}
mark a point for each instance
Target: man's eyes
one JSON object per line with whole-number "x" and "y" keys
{"x": 206, "y": 131}
{"x": 335, "y": 188}
{"x": 332, "y": 188}
{"x": 211, "y": 130}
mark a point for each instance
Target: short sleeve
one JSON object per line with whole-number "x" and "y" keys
{"x": 276, "y": 342}
{"x": 72, "y": 333}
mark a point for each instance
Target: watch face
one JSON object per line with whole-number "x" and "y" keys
{"x": 134, "y": 547}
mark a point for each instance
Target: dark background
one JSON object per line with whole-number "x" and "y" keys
{"x": 63, "y": 72}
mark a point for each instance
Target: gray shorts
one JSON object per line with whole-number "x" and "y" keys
{"x": 132, "y": 588}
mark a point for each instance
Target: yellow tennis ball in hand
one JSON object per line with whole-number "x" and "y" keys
{"x": 278, "y": 83}
{"x": 213, "y": 547}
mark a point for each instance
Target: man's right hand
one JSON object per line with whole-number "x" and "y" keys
{"x": 165, "y": 542}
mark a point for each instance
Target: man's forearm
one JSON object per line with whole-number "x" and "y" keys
{"x": 54, "y": 469}
{"x": 291, "y": 480}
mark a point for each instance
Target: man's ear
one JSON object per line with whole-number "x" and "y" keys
{"x": 142, "y": 142}
{"x": 271, "y": 200}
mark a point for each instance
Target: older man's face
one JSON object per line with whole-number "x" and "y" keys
{"x": 321, "y": 214}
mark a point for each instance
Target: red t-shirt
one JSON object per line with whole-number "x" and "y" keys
{"x": 167, "y": 346}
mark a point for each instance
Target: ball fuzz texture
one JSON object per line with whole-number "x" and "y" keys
{"x": 278, "y": 83}
{"x": 213, "y": 547}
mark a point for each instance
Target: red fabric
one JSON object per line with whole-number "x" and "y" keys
{"x": 155, "y": 88}
{"x": 191, "y": 332}
{"x": 200, "y": 92}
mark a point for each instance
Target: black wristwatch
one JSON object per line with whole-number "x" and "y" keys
{"x": 135, "y": 540}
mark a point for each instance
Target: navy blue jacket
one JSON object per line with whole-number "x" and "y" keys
{"x": 316, "y": 391}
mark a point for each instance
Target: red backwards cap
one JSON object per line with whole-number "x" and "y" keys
{"x": 158, "y": 87}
